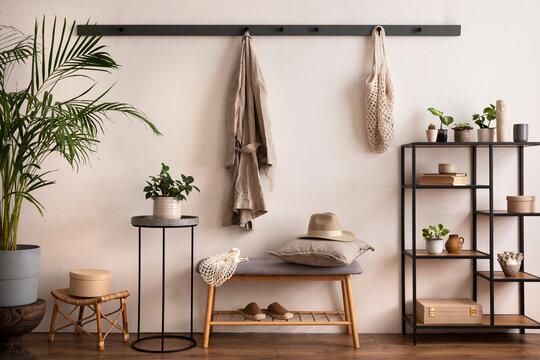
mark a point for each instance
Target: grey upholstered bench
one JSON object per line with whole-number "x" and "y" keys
{"x": 269, "y": 269}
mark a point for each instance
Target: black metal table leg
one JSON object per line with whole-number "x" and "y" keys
{"x": 192, "y": 343}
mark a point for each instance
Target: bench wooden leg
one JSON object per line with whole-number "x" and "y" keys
{"x": 53, "y": 321}
{"x": 213, "y": 307}
{"x": 208, "y": 318}
{"x": 350, "y": 300}
{"x": 79, "y": 322}
{"x": 100, "y": 342}
{"x": 345, "y": 296}
{"x": 124, "y": 319}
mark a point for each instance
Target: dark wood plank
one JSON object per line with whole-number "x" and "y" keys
{"x": 302, "y": 346}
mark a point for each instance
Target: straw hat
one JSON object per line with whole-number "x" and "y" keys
{"x": 326, "y": 226}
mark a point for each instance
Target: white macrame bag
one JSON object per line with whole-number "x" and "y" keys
{"x": 219, "y": 268}
{"x": 379, "y": 97}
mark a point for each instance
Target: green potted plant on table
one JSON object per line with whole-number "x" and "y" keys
{"x": 431, "y": 133}
{"x": 35, "y": 123}
{"x": 442, "y": 134}
{"x": 167, "y": 193}
{"x": 462, "y": 132}
{"x": 486, "y": 133}
{"x": 433, "y": 235}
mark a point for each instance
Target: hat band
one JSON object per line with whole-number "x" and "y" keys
{"x": 325, "y": 233}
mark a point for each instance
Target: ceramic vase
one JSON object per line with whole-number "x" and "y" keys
{"x": 434, "y": 246}
{"x": 166, "y": 207}
{"x": 486, "y": 134}
{"x": 431, "y": 135}
{"x": 503, "y": 118}
{"x": 510, "y": 262}
{"x": 454, "y": 244}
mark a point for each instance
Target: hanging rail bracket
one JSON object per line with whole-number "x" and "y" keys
{"x": 270, "y": 30}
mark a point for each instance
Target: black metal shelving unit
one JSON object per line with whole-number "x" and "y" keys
{"x": 492, "y": 320}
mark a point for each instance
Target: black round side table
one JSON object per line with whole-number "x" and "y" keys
{"x": 151, "y": 222}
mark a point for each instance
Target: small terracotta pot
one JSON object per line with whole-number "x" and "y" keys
{"x": 431, "y": 135}
{"x": 434, "y": 246}
{"x": 462, "y": 135}
{"x": 454, "y": 244}
{"x": 166, "y": 207}
{"x": 486, "y": 134}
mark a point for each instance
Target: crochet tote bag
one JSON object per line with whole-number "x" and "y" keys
{"x": 379, "y": 97}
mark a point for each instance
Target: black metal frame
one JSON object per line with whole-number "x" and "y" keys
{"x": 270, "y": 30}
{"x": 410, "y": 319}
{"x": 163, "y": 336}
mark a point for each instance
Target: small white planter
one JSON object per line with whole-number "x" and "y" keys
{"x": 486, "y": 134}
{"x": 434, "y": 246}
{"x": 431, "y": 135}
{"x": 166, "y": 207}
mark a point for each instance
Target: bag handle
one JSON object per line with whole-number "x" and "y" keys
{"x": 379, "y": 51}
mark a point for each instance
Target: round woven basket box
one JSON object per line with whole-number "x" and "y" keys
{"x": 89, "y": 282}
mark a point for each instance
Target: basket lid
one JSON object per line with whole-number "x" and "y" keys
{"x": 521, "y": 198}
{"x": 90, "y": 274}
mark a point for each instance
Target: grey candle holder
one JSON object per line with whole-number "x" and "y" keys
{"x": 521, "y": 132}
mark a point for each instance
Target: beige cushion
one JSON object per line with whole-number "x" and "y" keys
{"x": 321, "y": 252}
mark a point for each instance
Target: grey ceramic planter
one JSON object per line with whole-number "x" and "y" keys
{"x": 19, "y": 272}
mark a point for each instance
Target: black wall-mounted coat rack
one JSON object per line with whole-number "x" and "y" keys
{"x": 271, "y": 30}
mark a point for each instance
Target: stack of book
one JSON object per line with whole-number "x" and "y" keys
{"x": 444, "y": 179}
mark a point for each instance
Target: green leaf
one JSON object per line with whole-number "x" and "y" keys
{"x": 475, "y": 116}
{"x": 446, "y": 120}
{"x": 435, "y": 111}
{"x": 147, "y": 188}
{"x": 148, "y": 195}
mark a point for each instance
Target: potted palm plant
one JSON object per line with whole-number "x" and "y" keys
{"x": 35, "y": 123}
{"x": 442, "y": 134}
{"x": 168, "y": 193}
{"x": 485, "y": 132}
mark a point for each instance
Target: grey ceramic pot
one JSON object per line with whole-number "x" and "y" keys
{"x": 19, "y": 272}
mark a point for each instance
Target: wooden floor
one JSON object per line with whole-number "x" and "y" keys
{"x": 302, "y": 346}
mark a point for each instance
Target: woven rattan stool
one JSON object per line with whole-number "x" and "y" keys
{"x": 94, "y": 304}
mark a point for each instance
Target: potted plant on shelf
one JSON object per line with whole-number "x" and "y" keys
{"x": 35, "y": 123}
{"x": 442, "y": 134}
{"x": 462, "y": 132}
{"x": 167, "y": 193}
{"x": 485, "y": 132}
{"x": 431, "y": 133}
{"x": 433, "y": 235}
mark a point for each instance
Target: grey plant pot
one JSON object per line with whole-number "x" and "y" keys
{"x": 19, "y": 272}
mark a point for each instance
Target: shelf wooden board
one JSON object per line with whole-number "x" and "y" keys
{"x": 233, "y": 318}
{"x": 505, "y": 213}
{"x": 423, "y": 144}
{"x": 499, "y": 276}
{"x": 409, "y": 186}
{"x": 503, "y": 321}
{"x": 464, "y": 254}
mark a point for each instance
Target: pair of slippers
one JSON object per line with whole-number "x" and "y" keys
{"x": 253, "y": 312}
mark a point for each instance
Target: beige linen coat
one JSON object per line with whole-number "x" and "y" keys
{"x": 250, "y": 150}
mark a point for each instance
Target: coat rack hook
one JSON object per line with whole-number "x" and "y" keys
{"x": 121, "y": 29}
{"x": 281, "y": 29}
{"x": 379, "y": 29}
{"x": 246, "y": 28}
{"x": 316, "y": 29}
{"x": 418, "y": 29}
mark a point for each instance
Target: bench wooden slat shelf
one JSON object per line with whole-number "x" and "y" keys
{"x": 270, "y": 322}
{"x": 276, "y": 270}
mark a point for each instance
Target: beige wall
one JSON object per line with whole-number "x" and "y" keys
{"x": 316, "y": 91}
